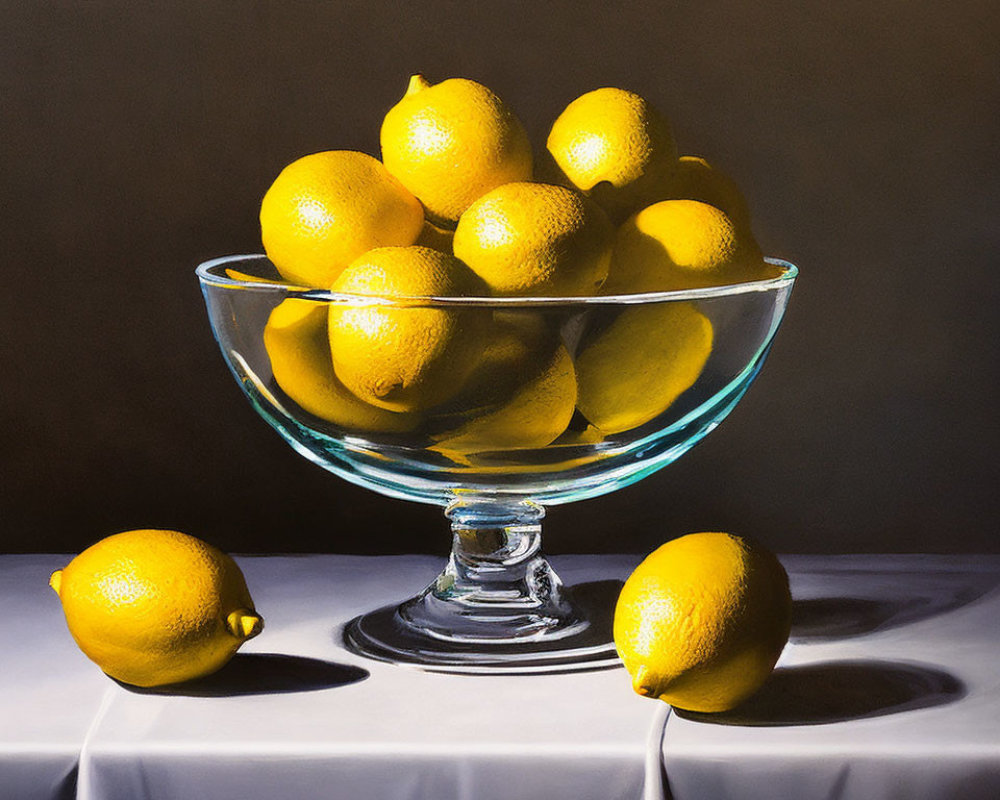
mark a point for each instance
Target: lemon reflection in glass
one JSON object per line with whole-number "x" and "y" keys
{"x": 634, "y": 370}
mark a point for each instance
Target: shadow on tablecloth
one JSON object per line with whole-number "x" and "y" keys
{"x": 838, "y": 691}
{"x": 65, "y": 788}
{"x": 892, "y": 600}
{"x": 263, "y": 673}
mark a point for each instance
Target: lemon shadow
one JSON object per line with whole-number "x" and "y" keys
{"x": 838, "y": 691}
{"x": 263, "y": 673}
{"x": 824, "y": 618}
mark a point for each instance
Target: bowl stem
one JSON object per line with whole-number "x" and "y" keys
{"x": 497, "y": 586}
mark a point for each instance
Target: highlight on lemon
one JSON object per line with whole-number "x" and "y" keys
{"x": 614, "y": 146}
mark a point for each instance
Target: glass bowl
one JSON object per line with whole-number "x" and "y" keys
{"x": 535, "y": 402}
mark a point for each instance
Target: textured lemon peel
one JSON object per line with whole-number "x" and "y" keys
{"x": 326, "y": 209}
{"x": 296, "y": 338}
{"x": 681, "y": 244}
{"x": 701, "y": 622}
{"x": 406, "y": 359}
{"x": 614, "y": 146}
{"x": 154, "y": 607}
{"x": 531, "y": 239}
{"x": 451, "y": 142}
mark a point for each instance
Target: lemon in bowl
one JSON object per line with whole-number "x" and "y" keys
{"x": 682, "y": 244}
{"x": 326, "y": 209}
{"x": 528, "y": 239}
{"x": 450, "y": 143}
{"x": 615, "y": 147}
{"x": 399, "y": 357}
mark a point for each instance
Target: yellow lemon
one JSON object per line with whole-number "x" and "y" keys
{"x": 696, "y": 179}
{"x": 406, "y": 356}
{"x": 522, "y": 393}
{"x": 297, "y": 342}
{"x": 452, "y": 142}
{"x": 436, "y": 237}
{"x": 680, "y": 244}
{"x": 633, "y": 369}
{"x": 153, "y": 607}
{"x": 536, "y": 239}
{"x": 702, "y": 621}
{"x": 326, "y": 209}
{"x": 614, "y": 146}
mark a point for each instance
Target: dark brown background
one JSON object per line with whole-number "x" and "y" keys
{"x": 139, "y": 138}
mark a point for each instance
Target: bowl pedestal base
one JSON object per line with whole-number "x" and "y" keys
{"x": 497, "y": 607}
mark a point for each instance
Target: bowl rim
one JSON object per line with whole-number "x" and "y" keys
{"x": 789, "y": 272}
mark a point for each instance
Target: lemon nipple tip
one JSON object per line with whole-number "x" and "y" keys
{"x": 417, "y": 82}
{"x": 641, "y": 682}
{"x": 244, "y": 624}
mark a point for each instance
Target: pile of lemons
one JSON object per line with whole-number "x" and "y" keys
{"x": 460, "y": 206}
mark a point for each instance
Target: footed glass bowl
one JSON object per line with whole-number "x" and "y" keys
{"x": 492, "y": 408}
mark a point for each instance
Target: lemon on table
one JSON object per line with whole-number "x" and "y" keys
{"x": 633, "y": 369}
{"x": 326, "y": 209}
{"x": 614, "y": 146}
{"x": 451, "y": 142}
{"x": 681, "y": 244}
{"x": 406, "y": 356}
{"x": 536, "y": 239}
{"x": 702, "y": 621}
{"x": 297, "y": 341}
{"x": 522, "y": 393}
{"x": 152, "y": 607}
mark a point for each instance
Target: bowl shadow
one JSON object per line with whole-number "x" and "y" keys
{"x": 838, "y": 691}
{"x": 262, "y": 673}
{"x": 596, "y": 600}
{"x": 380, "y": 635}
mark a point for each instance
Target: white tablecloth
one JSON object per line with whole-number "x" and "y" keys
{"x": 890, "y": 688}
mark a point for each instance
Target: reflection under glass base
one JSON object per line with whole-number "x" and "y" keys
{"x": 497, "y": 607}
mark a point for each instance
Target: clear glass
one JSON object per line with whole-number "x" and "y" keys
{"x": 544, "y": 401}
